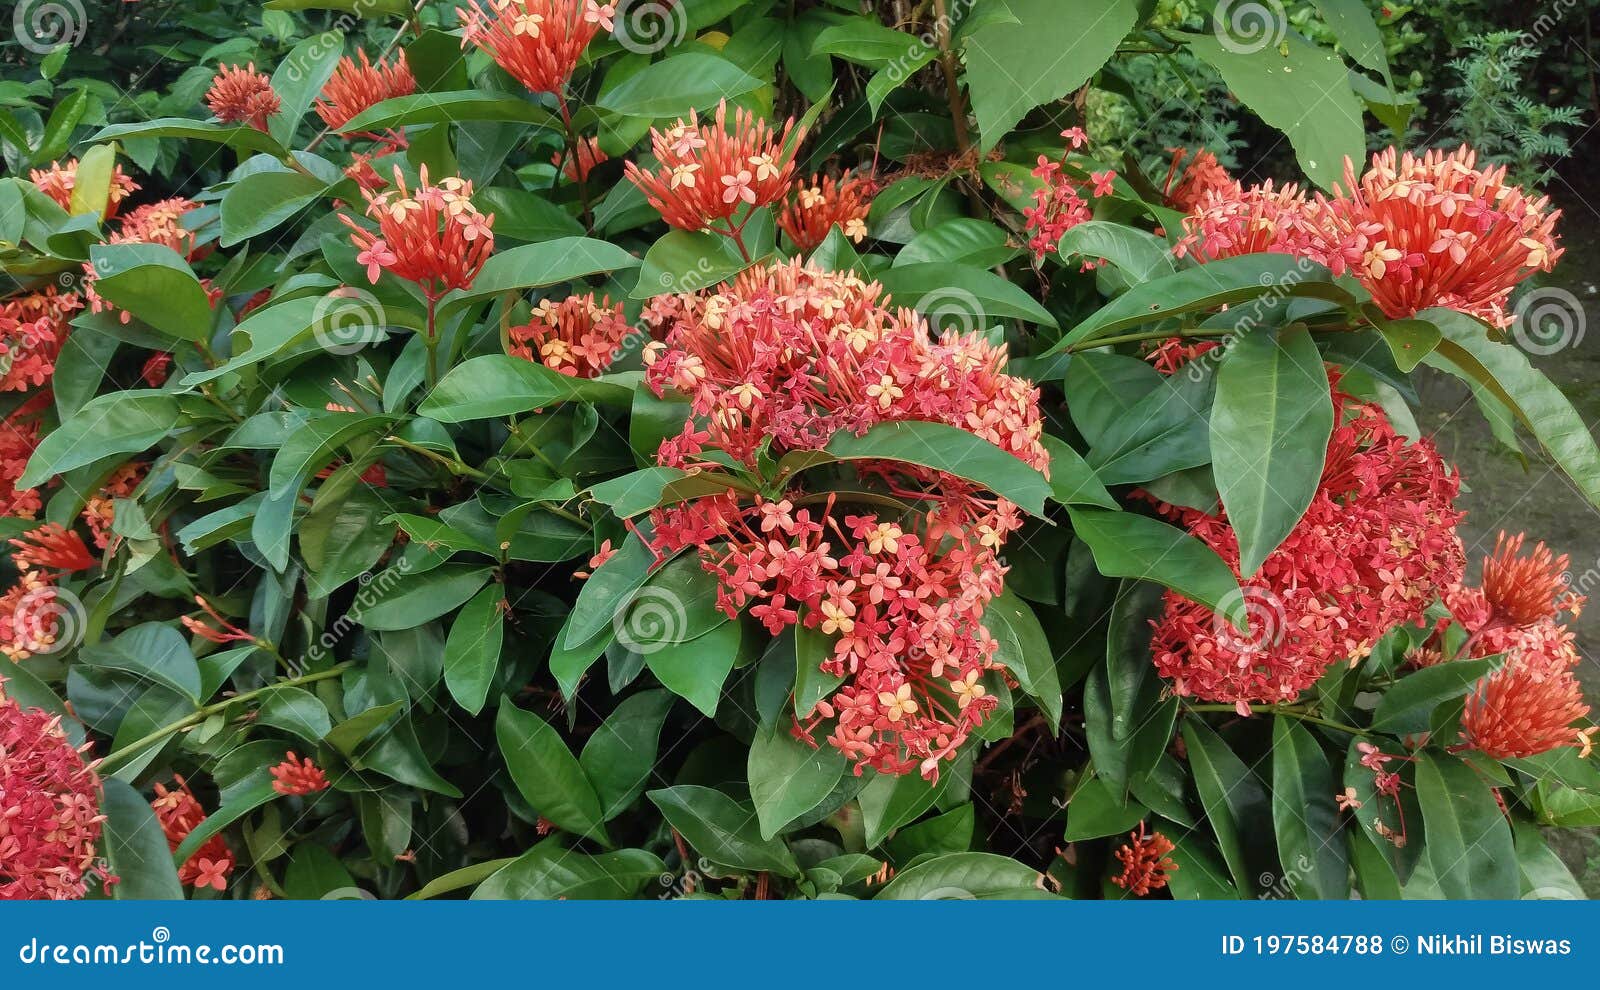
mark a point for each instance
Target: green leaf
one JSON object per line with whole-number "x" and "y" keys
{"x": 91, "y": 189}
{"x": 115, "y": 423}
{"x": 1025, "y": 651}
{"x": 964, "y": 876}
{"x": 135, "y": 846}
{"x": 1305, "y": 817}
{"x": 788, "y": 777}
{"x": 1410, "y": 341}
{"x": 1298, "y": 88}
{"x": 548, "y": 872}
{"x": 950, "y": 832}
{"x": 520, "y": 215}
{"x": 1407, "y": 705}
{"x": 472, "y": 651}
{"x": 154, "y": 283}
{"x": 153, "y": 651}
{"x": 448, "y": 108}
{"x": 1353, "y": 24}
{"x": 1165, "y": 432}
{"x": 675, "y": 85}
{"x": 413, "y": 599}
{"x": 1128, "y": 545}
{"x": 1103, "y": 389}
{"x": 961, "y": 241}
{"x": 1235, "y": 804}
{"x": 1096, "y": 810}
{"x": 455, "y": 880}
{"x": 1200, "y": 875}
{"x": 694, "y": 670}
{"x": 534, "y": 266}
{"x": 1127, "y": 719}
{"x": 1270, "y": 425}
{"x": 949, "y": 449}
{"x": 640, "y": 491}
{"x": 1468, "y": 842}
{"x": 1467, "y": 351}
{"x": 620, "y": 755}
{"x": 687, "y": 261}
{"x": 1141, "y": 256}
{"x": 397, "y": 754}
{"x": 722, "y": 829}
{"x": 263, "y": 200}
{"x": 1544, "y": 876}
{"x": 608, "y": 591}
{"x": 1043, "y": 56}
{"x": 811, "y": 683}
{"x": 1072, "y": 480}
{"x": 64, "y": 119}
{"x": 295, "y": 710}
{"x": 494, "y": 385}
{"x": 299, "y": 78}
{"x": 887, "y": 802}
{"x": 971, "y": 298}
{"x": 547, "y": 774}
{"x": 1209, "y": 286}
{"x": 242, "y": 137}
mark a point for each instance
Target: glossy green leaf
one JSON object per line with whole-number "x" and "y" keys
{"x": 115, "y": 423}
{"x": 722, "y": 829}
{"x": 1128, "y": 545}
{"x": 1304, "y": 815}
{"x": 1025, "y": 651}
{"x": 154, "y": 283}
{"x": 472, "y": 651}
{"x": 547, "y": 774}
{"x": 946, "y": 448}
{"x": 788, "y": 777}
{"x": 619, "y": 757}
{"x": 1468, "y": 842}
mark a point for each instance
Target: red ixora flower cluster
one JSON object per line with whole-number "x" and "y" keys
{"x": 1188, "y": 181}
{"x": 577, "y": 164}
{"x": 1529, "y": 705}
{"x": 577, "y": 336}
{"x": 180, "y": 813}
{"x": 1145, "y": 863}
{"x": 354, "y": 88}
{"x": 33, "y": 326}
{"x": 1377, "y": 545}
{"x": 33, "y": 616}
{"x": 780, "y": 361}
{"x": 1058, "y": 204}
{"x": 61, "y": 178}
{"x": 241, "y": 95}
{"x": 297, "y": 775}
{"x": 49, "y": 808}
{"x": 19, "y": 435}
{"x": 1416, "y": 231}
{"x": 825, "y": 203}
{"x": 706, "y": 173}
{"x": 431, "y": 235}
{"x": 539, "y": 42}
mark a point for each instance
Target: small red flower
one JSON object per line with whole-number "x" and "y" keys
{"x": 100, "y": 512}
{"x": 577, "y": 166}
{"x": 577, "y": 336}
{"x": 705, "y": 174}
{"x": 815, "y": 209}
{"x": 298, "y": 776}
{"x": 223, "y": 632}
{"x": 1523, "y": 590}
{"x": 354, "y": 88}
{"x": 179, "y": 812}
{"x": 431, "y": 235}
{"x": 156, "y": 368}
{"x": 539, "y": 42}
{"x": 241, "y": 95}
{"x": 1058, "y": 204}
{"x": 54, "y": 547}
{"x": 1187, "y": 185}
{"x": 49, "y": 808}
{"x": 1145, "y": 865}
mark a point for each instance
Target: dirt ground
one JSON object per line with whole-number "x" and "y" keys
{"x": 1506, "y": 494}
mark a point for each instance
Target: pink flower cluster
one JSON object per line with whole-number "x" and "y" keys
{"x": 578, "y": 336}
{"x": 1416, "y": 231}
{"x": 49, "y": 808}
{"x": 1058, "y": 204}
{"x": 897, "y": 574}
{"x": 1376, "y": 547}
